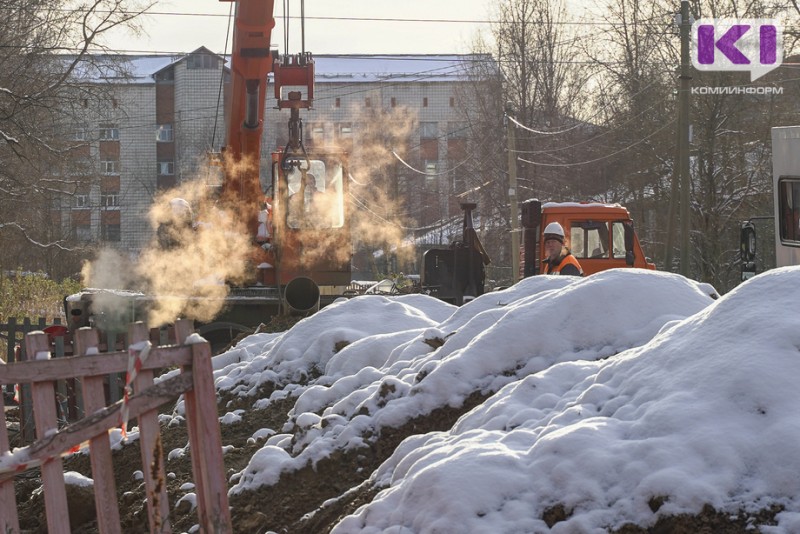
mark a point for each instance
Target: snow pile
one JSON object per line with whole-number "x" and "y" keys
{"x": 705, "y": 412}
{"x": 382, "y": 361}
{"x": 306, "y": 348}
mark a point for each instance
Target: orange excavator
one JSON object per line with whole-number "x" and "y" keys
{"x": 296, "y": 213}
{"x": 299, "y": 216}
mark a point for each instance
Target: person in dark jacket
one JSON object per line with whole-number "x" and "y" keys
{"x": 559, "y": 259}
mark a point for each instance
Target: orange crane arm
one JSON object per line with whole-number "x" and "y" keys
{"x": 251, "y": 62}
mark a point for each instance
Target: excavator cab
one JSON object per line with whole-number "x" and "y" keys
{"x": 310, "y": 218}
{"x": 315, "y": 195}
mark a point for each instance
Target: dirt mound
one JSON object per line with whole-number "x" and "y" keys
{"x": 312, "y": 499}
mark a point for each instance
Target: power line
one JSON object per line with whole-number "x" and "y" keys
{"x": 431, "y": 174}
{"x": 590, "y": 139}
{"x": 369, "y": 19}
{"x": 607, "y": 156}
{"x": 539, "y": 132}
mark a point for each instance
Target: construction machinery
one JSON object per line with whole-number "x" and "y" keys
{"x": 601, "y": 236}
{"x": 457, "y": 274}
{"x": 297, "y": 217}
{"x": 297, "y": 214}
{"x": 786, "y": 195}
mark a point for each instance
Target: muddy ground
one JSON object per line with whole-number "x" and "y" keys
{"x": 309, "y": 501}
{"x": 295, "y": 504}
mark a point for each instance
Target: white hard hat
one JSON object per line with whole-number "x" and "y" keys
{"x": 554, "y": 229}
{"x": 180, "y": 206}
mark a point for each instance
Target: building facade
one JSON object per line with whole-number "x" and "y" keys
{"x": 161, "y": 119}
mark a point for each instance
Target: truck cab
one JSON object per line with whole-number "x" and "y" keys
{"x": 786, "y": 187}
{"x": 601, "y": 236}
{"x": 786, "y": 217}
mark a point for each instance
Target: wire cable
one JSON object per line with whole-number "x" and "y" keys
{"x": 221, "y": 77}
{"x": 640, "y": 141}
{"x": 424, "y": 173}
{"x": 590, "y": 139}
{"x": 362, "y": 204}
{"x": 515, "y": 121}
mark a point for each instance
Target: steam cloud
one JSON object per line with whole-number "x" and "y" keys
{"x": 185, "y": 268}
{"x": 377, "y": 217}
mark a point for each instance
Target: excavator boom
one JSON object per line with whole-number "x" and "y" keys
{"x": 251, "y": 63}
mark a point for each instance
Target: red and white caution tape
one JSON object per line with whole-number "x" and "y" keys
{"x": 20, "y": 460}
{"x": 137, "y": 354}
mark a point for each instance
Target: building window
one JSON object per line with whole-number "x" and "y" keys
{"x": 81, "y": 200}
{"x": 368, "y": 102}
{"x": 345, "y": 130}
{"x": 83, "y": 232}
{"x": 428, "y": 130}
{"x": 424, "y": 101}
{"x": 109, "y": 200}
{"x": 430, "y": 169}
{"x": 164, "y": 133}
{"x": 344, "y": 136}
{"x": 394, "y": 102}
{"x": 80, "y": 133}
{"x": 338, "y": 102}
{"x": 111, "y": 232}
{"x": 315, "y": 132}
{"x": 452, "y": 101}
{"x": 109, "y": 167}
{"x": 202, "y": 61}
{"x": 457, "y": 129}
{"x": 109, "y": 132}
{"x": 166, "y": 168}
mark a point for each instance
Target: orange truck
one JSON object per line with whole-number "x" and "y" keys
{"x": 600, "y": 236}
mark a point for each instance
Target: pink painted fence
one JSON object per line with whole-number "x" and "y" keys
{"x": 195, "y": 382}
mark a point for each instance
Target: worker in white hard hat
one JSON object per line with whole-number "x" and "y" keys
{"x": 175, "y": 223}
{"x": 559, "y": 259}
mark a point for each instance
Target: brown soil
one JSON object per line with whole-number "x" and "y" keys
{"x": 295, "y": 504}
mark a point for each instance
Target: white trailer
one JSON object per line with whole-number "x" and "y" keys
{"x": 786, "y": 186}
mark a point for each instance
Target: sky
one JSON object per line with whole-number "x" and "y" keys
{"x": 606, "y": 391}
{"x": 205, "y": 23}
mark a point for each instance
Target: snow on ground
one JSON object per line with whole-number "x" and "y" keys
{"x": 611, "y": 392}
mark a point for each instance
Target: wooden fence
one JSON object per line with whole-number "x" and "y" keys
{"x": 195, "y": 381}
{"x": 12, "y": 335}
{"x": 14, "y": 331}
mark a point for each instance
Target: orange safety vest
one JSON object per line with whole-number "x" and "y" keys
{"x": 568, "y": 259}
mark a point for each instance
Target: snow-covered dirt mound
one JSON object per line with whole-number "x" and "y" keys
{"x": 704, "y": 413}
{"x": 380, "y": 362}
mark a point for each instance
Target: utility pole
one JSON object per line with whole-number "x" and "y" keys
{"x": 512, "y": 193}
{"x": 683, "y": 132}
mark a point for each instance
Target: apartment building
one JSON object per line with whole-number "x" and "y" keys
{"x": 163, "y": 115}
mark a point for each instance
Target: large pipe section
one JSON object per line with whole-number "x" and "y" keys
{"x": 301, "y": 296}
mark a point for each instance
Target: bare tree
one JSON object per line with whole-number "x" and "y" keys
{"x": 638, "y": 58}
{"x": 48, "y": 53}
{"x": 539, "y": 57}
{"x": 634, "y": 52}
{"x": 482, "y": 174}
{"x": 731, "y": 153}
{"x": 533, "y": 65}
